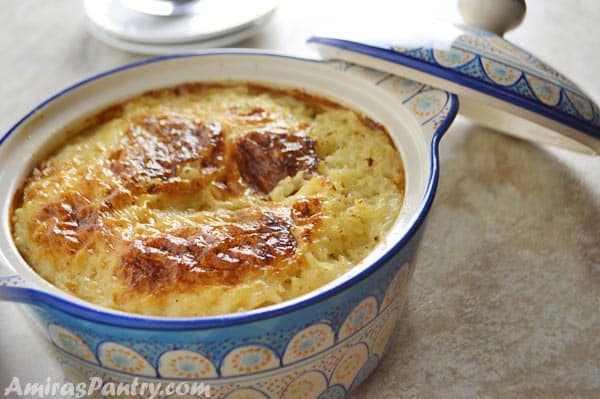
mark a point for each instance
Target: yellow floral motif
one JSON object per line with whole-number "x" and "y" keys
{"x": 307, "y": 386}
{"x": 500, "y": 73}
{"x": 119, "y": 357}
{"x": 362, "y": 314}
{"x": 547, "y": 93}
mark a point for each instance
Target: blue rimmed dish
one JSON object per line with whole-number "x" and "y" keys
{"x": 499, "y": 85}
{"x": 322, "y": 344}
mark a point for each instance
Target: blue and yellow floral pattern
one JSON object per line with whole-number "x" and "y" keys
{"x": 121, "y": 358}
{"x": 184, "y": 364}
{"x": 308, "y": 342}
{"x": 318, "y": 351}
{"x": 484, "y": 62}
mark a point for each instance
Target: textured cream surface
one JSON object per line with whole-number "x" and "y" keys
{"x": 153, "y": 211}
{"x": 506, "y": 295}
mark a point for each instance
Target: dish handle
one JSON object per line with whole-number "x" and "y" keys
{"x": 13, "y": 287}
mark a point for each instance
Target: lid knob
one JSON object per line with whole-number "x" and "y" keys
{"x": 497, "y": 16}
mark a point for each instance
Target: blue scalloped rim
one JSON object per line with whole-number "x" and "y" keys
{"x": 449, "y": 74}
{"x": 35, "y": 297}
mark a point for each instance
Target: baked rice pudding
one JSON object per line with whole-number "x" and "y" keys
{"x": 207, "y": 199}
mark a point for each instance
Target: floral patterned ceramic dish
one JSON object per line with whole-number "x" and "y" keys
{"x": 320, "y": 345}
{"x": 499, "y": 84}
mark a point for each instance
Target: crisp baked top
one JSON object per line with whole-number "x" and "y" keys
{"x": 209, "y": 199}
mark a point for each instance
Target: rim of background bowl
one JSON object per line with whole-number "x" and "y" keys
{"x": 93, "y": 313}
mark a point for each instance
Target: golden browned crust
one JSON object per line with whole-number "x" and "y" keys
{"x": 164, "y": 201}
{"x": 66, "y": 225}
{"x": 266, "y": 157}
{"x": 147, "y": 160}
{"x": 218, "y": 253}
{"x": 155, "y": 147}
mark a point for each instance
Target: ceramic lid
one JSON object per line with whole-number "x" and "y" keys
{"x": 499, "y": 84}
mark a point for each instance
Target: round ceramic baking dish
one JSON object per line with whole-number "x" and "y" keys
{"x": 320, "y": 345}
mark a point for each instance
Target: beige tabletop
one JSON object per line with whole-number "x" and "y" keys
{"x": 505, "y": 301}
